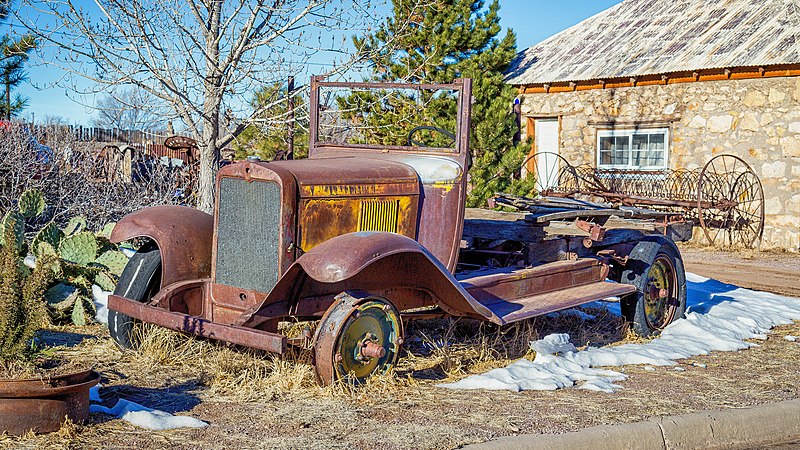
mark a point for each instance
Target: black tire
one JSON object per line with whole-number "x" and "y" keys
{"x": 140, "y": 281}
{"x": 655, "y": 268}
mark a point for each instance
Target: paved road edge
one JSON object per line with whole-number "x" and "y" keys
{"x": 706, "y": 429}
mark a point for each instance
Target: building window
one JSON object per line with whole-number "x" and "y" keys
{"x": 633, "y": 149}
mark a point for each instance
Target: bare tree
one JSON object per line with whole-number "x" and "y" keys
{"x": 201, "y": 58}
{"x": 130, "y": 109}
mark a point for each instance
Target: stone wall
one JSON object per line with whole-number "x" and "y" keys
{"x": 756, "y": 119}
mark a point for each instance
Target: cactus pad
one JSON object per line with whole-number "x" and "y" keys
{"x": 75, "y": 225}
{"x": 51, "y": 235}
{"x": 14, "y": 221}
{"x": 79, "y": 313}
{"x": 31, "y": 203}
{"x": 61, "y": 296}
{"x": 113, "y": 260}
{"x": 79, "y": 248}
{"x": 105, "y": 281}
{"x": 107, "y": 229}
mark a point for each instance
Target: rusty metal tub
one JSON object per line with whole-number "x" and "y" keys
{"x": 42, "y": 405}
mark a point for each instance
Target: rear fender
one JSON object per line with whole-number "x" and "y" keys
{"x": 373, "y": 262}
{"x": 183, "y": 235}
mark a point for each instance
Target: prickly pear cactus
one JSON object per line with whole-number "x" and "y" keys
{"x": 31, "y": 203}
{"x": 61, "y": 297}
{"x": 51, "y": 236}
{"x": 79, "y": 248}
{"x": 13, "y": 220}
{"x": 78, "y": 313}
{"x": 75, "y": 225}
{"x": 107, "y": 229}
{"x": 105, "y": 281}
{"x": 114, "y": 261}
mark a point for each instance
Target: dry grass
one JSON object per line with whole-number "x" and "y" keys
{"x": 254, "y": 399}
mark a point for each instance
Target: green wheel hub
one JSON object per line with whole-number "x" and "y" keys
{"x": 356, "y": 338}
{"x": 660, "y": 302}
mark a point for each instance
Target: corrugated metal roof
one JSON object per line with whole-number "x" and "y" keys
{"x": 647, "y": 37}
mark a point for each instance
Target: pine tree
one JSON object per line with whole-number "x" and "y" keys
{"x": 13, "y": 56}
{"x": 268, "y": 135}
{"x": 437, "y": 41}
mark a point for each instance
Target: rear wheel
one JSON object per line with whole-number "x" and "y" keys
{"x": 140, "y": 281}
{"x": 356, "y": 338}
{"x": 655, "y": 268}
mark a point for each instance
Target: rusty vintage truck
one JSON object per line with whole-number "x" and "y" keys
{"x": 362, "y": 238}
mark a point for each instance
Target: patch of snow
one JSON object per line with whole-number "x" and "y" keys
{"x": 679, "y": 369}
{"x": 94, "y": 393}
{"x": 790, "y": 338}
{"x": 142, "y": 416}
{"x": 30, "y": 261}
{"x": 719, "y": 317}
{"x": 553, "y": 344}
{"x": 650, "y": 368}
{"x": 545, "y": 373}
{"x": 129, "y": 252}
{"x": 700, "y": 365}
{"x": 100, "y": 300}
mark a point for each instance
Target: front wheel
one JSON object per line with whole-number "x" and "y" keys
{"x": 140, "y": 281}
{"x": 656, "y": 269}
{"x": 356, "y": 338}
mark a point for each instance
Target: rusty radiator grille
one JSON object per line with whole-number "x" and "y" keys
{"x": 378, "y": 215}
{"x": 247, "y": 234}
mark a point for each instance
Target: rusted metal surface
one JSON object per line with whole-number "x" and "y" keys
{"x": 42, "y": 405}
{"x": 725, "y": 196}
{"x": 338, "y": 192}
{"x": 358, "y": 335}
{"x": 370, "y": 261}
{"x": 198, "y": 326}
{"x": 271, "y": 172}
{"x": 528, "y": 292}
{"x": 184, "y": 236}
{"x": 442, "y": 203}
{"x": 514, "y": 310}
{"x": 358, "y": 231}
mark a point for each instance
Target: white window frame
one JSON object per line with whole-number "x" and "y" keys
{"x": 629, "y": 133}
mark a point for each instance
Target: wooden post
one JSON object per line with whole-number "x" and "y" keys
{"x": 290, "y": 125}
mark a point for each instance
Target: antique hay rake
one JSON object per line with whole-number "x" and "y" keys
{"x": 724, "y": 197}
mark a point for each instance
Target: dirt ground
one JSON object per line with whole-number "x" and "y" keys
{"x": 763, "y": 271}
{"x": 245, "y": 408}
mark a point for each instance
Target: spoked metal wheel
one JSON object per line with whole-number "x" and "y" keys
{"x": 730, "y": 203}
{"x": 356, "y": 338}
{"x": 660, "y": 306}
{"x": 554, "y": 175}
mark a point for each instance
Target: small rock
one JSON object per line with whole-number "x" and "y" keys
{"x": 720, "y": 124}
{"x": 701, "y": 365}
{"x": 650, "y": 368}
{"x": 679, "y": 369}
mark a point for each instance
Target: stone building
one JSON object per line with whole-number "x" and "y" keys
{"x": 650, "y": 85}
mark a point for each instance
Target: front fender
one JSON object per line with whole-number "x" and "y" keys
{"x": 373, "y": 262}
{"x": 183, "y": 235}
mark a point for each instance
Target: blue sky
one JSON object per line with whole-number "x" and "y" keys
{"x": 532, "y": 20}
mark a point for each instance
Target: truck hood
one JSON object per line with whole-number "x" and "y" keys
{"x": 350, "y": 177}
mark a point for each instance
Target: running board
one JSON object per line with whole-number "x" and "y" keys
{"x": 510, "y": 311}
{"x": 249, "y": 337}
